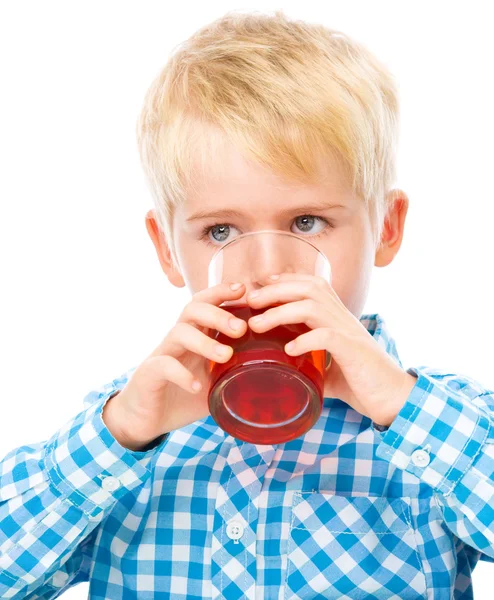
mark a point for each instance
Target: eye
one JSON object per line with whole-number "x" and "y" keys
{"x": 220, "y": 231}
{"x": 306, "y": 221}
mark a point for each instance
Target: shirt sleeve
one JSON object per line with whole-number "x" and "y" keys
{"x": 54, "y": 494}
{"x": 444, "y": 435}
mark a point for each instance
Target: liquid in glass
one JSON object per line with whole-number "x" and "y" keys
{"x": 262, "y": 395}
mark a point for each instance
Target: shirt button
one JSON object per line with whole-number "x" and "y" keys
{"x": 235, "y": 530}
{"x": 110, "y": 484}
{"x": 59, "y": 578}
{"x": 420, "y": 458}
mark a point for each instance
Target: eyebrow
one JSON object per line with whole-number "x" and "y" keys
{"x": 228, "y": 212}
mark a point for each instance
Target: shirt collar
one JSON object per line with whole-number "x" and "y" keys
{"x": 379, "y": 330}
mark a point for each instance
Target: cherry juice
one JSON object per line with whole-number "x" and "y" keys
{"x": 262, "y": 395}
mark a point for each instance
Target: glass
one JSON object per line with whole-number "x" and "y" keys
{"x": 263, "y": 395}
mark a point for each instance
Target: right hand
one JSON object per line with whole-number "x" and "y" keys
{"x": 158, "y": 397}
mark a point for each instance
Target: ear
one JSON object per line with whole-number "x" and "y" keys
{"x": 394, "y": 226}
{"x": 162, "y": 249}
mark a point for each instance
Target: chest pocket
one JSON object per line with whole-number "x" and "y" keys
{"x": 353, "y": 547}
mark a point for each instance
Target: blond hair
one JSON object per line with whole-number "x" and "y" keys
{"x": 287, "y": 93}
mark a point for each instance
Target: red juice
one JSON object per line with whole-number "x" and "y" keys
{"x": 262, "y": 395}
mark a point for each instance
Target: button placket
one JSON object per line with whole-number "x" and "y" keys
{"x": 233, "y": 544}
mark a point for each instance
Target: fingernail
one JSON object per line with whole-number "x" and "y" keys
{"x": 290, "y": 346}
{"x": 235, "y": 286}
{"x": 196, "y": 386}
{"x": 235, "y": 323}
{"x": 274, "y": 277}
{"x": 221, "y": 350}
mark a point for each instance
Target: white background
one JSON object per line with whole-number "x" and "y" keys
{"x": 83, "y": 296}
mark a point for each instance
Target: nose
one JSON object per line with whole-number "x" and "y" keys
{"x": 269, "y": 255}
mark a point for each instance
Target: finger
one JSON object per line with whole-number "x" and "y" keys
{"x": 186, "y": 337}
{"x": 317, "y": 339}
{"x": 170, "y": 369}
{"x": 218, "y": 294}
{"x": 202, "y": 314}
{"x": 279, "y": 277}
{"x": 287, "y": 291}
{"x": 306, "y": 311}
{"x": 319, "y": 281}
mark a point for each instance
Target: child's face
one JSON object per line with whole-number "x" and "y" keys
{"x": 266, "y": 202}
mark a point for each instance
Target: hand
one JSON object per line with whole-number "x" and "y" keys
{"x": 361, "y": 373}
{"x": 159, "y": 397}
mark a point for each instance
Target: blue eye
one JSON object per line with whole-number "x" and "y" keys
{"x": 222, "y": 230}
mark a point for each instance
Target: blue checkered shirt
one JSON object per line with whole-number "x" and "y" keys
{"x": 350, "y": 510}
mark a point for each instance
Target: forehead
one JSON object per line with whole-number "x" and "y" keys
{"x": 225, "y": 178}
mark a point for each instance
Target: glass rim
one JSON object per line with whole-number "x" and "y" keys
{"x": 277, "y": 231}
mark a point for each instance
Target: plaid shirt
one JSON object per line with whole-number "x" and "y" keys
{"x": 348, "y": 510}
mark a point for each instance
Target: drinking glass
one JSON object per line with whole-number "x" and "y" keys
{"x": 261, "y": 394}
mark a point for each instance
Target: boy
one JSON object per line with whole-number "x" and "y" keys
{"x": 263, "y": 123}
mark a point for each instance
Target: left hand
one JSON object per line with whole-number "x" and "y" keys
{"x": 361, "y": 373}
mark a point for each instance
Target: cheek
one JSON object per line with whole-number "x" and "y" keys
{"x": 194, "y": 264}
{"x": 351, "y": 268}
